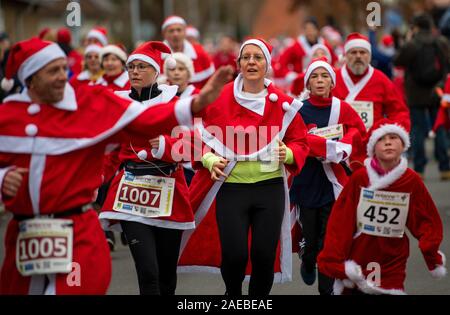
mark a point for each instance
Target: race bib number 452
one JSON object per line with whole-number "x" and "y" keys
{"x": 382, "y": 213}
{"x": 147, "y": 196}
{"x": 44, "y": 246}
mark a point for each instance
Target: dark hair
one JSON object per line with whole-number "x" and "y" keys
{"x": 312, "y": 20}
{"x": 423, "y": 21}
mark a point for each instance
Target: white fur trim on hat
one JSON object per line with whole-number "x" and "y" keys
{"x": 98, "y": 35}
{"x": 384, "y": 130}
{"x": 92, "y": 48}
{"x": 320, "y": 64}
{"x": 113, "y": 49}
{"x": 358, "y": 43}
{"x": 146, "y": 59}
{"x": 261, "y": 45}
{"x": 39, "y": 60}
{"x": 173, "y": 20}
{"x": 324, "y": 48}
{"x": 184, "y": 59}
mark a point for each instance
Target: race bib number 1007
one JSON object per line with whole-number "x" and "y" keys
{"x": 147, "y": 196}
{"x": 382, "y": 213}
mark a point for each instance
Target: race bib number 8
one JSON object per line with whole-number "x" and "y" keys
{"x": 365, "y": 111}
{"x": 147, "y": 196}
{"x": 44, "y": 246}
{"x": 382, "y": 213}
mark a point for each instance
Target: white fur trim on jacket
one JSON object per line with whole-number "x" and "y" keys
{"x": 338, "y": 151}
{"x": 353, "y": 271}
{"x": 384, "y": 130}
{"x": 379, "y": 182}
{"x": 440, "y": 271}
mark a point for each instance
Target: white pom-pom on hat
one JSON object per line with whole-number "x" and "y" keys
{"x": 273, "y": 97}
{"x": 7, "y": 84}
{"x": 142, "y": 155}
{"x": 169, "y": 61}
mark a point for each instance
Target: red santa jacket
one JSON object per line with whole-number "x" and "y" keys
{"x": 83, "y": 78}
{"x": 334, "y": 152}
{"x": 295, "y": 58}
{"x": 62, "y": 146}
{"x": 200, "y": 248}
{"x": 374, "y": 87}
{"x": 203, "y": 65}
{"x": 118, "y": 83}
{"x": 182, "y": 216}
{"x": 345, "y": 249}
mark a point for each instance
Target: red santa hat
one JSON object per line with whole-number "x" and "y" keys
{"x": 171, "y": 20}
{"x": 383, "y": 127}
{"x": 93, "y": 48}
{"x": 357, "y": 40}
{"x": 100, "y": 34}
{"x": 324, "y": 48}
{"x": 44, "y": 32}
{"x": 113, "y": 49}
{"x": 191, "y": 31}
{"x": 387, "y": 40}
{"x": 153, "y": 53}
{"x": 64, "y": 36}
{"x": 184, "y": 59}
{"x": 263, "y": 45}
{"x": 28, "y": 57}
{"x": 319, "y": 63}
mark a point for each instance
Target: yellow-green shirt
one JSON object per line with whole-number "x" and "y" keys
{"x": 250, "y": 172}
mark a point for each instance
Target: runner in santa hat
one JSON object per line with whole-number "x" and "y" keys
{"x": 367, "y": 89}
{"x": 295, "y": 58}
{"x": 366, "y": 248}
{"x": 317, "y": 51}
{"x": 97, "y": 36}
{"x": 335, "y": 131}
{"x": 51, "y": 154}
{"x": 180, "y": 76}
{"x": 154, "y": 230}
{"x": 113, "y": 59}
{"x": 92, "y": 67}
{"x": 174, "y": 33}
{"x": 241, "y": 185}
{"x": 192, "y": 34}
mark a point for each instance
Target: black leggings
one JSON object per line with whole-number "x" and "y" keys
{"x": 240, "y": 207}
{"x": 155, "y": 252}
{"x": 314, "y": 224}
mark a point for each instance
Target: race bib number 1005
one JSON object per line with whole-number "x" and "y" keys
{"x": 44, "y": 246}
{"x": 382, "y": 213}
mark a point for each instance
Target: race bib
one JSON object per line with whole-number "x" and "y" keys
{"x": 147, "y": 196}
{"x": 334, "y": 132}
{"x": 382, "y": 213}
{"x": 44, "y": 246}
{"x": 365, "y": 111}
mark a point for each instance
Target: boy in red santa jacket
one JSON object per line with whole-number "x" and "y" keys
{"x": 365, "y": 246}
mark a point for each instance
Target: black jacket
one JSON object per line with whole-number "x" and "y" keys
{"x": 418, "y": 95}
